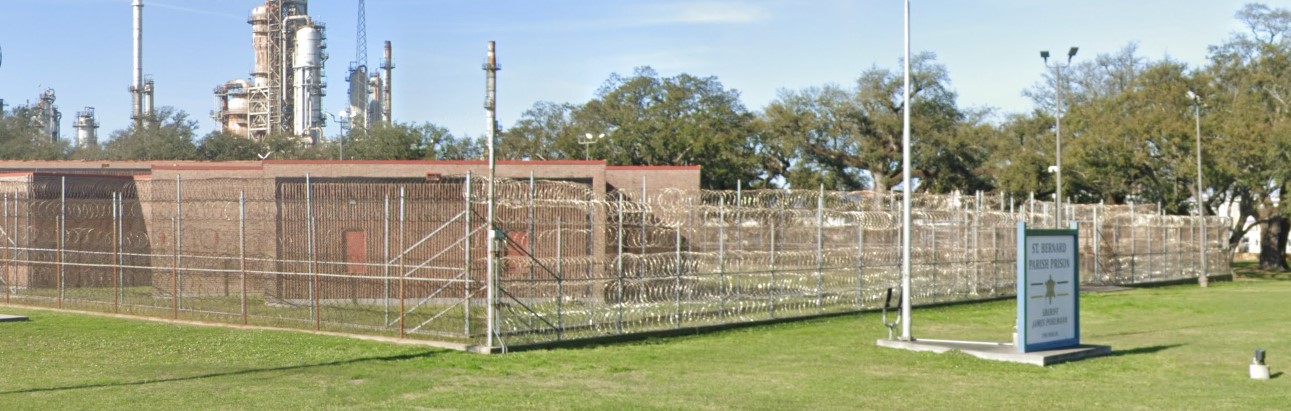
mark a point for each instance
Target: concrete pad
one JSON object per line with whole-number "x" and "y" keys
{"x": 4, "y": 318}
{"x": 998, "y": 351}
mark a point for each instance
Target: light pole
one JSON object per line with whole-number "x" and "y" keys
{"x": 1202, "y": 278}
{"x": 587, "y": 140}
{"x": 1058, "y": 110}
{"x": 342, "y": 120}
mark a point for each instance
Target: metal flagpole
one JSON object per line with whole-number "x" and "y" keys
{"x": 906, "y": 190}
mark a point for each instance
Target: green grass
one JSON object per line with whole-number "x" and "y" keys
{"x": 1178, "y": 347}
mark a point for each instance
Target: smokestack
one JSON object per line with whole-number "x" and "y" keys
{"x": 389, "y": 68}
{"x": 136, "y": 87}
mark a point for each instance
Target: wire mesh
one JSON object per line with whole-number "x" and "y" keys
{"x": 406, "y": 257}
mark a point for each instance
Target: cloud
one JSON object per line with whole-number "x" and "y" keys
{"x": 613, "y": 16}
{"x": 189, "y": 10}
{"x": 701, "y": 12}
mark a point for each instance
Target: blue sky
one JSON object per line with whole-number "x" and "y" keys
{"x": 563, "y": 50}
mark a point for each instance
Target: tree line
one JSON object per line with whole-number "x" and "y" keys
{"x": 1128, "y": 133}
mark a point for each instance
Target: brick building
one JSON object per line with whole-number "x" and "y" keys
{"x": 192, "y": 228}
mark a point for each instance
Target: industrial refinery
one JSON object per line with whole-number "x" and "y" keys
{"x": 285, "y": 92}
{"x": 286, "y": 88}
{"x": 47, "y": 117}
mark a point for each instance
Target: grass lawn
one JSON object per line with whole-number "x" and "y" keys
{"x": 1177, "y": 347}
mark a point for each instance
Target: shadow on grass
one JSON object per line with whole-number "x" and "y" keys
{"x": 223, "y": 374}
{"x": 1251, "y": 270}
{"x": 1265, "y": 275}
{"x": 1275, "y": 375}
{"x": 1143, "y": 350}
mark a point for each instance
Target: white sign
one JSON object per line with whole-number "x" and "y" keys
{"x": 1048, "y": 290}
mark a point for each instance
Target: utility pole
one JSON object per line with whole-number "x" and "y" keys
{"x": 1203, "y": 278}
{"x": 490, "y": 111}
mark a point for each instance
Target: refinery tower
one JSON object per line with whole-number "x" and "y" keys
{"x": 286, "y": 88}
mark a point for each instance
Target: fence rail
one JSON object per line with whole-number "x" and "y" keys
{"x": 407, "y": 258}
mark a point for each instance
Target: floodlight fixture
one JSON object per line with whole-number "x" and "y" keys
{"x": 1044, "y": 54}
{"x": 1072, "y": 53}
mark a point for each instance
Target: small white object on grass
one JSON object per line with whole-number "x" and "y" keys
{"x": 1259, "y": 371}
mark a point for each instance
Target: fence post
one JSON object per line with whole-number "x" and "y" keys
{"x": 532, "y": 243}
{"x": 403, "y": 197}
{"x": 1117, "y": 273}
{"x": 121, "y": 229}
{"x": 860, "y": 259}
{"x": 242, "y": 249}
{"x": 1031, "y": 202}
{"x": 116, "y": 258}
{"x": 17, "y": 235}
{"x": 1098, "y": 238}
{"x": 1151, "y": 234}
{"x": 62, "y": 241}
{"x": 590, "y": 241}
{"x": 690, "y": 221}
{"x": 560, "y": 280}
{"x": 721, "y": 257}
{"x": 677, "y": 276}
{"x": 820, "y": 249}
{"x": 466, "y": 265}
{"x": 739, "y": 243}
{"x": 932, "y": 262}
{"x": 385, "y": 262}
{"x": 643, "y": 205}
{"x": 772, "y": 289}
{"x": 995, "y": 259}
{"x": 315, "y": 312}
{"x": 9, "y": 246}
{"x": 618, "y": 270}
{"x": 179, "y": 243}
{"x": 977, "y": 261}
{"x": 1134, "y": 255}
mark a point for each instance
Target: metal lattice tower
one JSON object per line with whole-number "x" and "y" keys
{"x": 361, "y": 40}
{"x": 358, "y": 74}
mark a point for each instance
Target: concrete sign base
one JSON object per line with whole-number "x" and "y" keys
{"x": 1002, "y": 351}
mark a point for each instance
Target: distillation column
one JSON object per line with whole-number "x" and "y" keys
{"x": 307, "y": 117}
{"x": 86, "y": 128}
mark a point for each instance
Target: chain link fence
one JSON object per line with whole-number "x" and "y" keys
{"x": 408, "y": 258}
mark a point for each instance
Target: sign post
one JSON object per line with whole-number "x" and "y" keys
{"x": 1048, "y": 289}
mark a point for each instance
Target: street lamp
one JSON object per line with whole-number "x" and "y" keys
{"x": 1202, "y": 278}
{"x": 1058, "y": 110}
{"x": 587, "y": 140}
{"x": 342, "y": 120}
